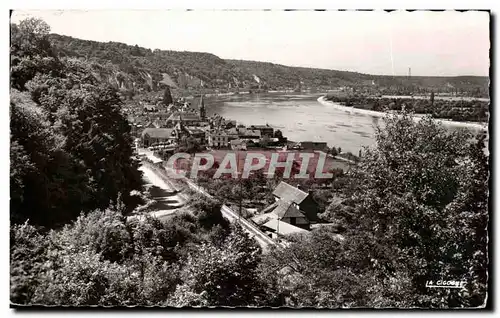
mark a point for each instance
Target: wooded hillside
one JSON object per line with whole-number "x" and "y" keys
{"x": 134, "y": 67}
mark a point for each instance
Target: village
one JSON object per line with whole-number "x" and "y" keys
{"x": 164, "y": 127}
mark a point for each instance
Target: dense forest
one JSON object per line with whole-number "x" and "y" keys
{"x": 415, "y": 208}
{"x": 132, "y": 67}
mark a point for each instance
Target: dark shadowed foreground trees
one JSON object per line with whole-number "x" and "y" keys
{"x": 70, "y": 144}
{"x": 414, "y": 193}
{"x": 415, "y": 209}
{"x": 103, "y": 259}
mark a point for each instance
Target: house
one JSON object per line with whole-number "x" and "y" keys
{"x": 249, "y": 134}
{"x": 218, "y": 139}
{"x": 197, "y": 133}
{"x": 135, "y": 129}
{"x": 152, "y": 136}
{"x": 188, "y": 119}
{"x": 313, "y": 145}
{"x": 238, "y": 144}
{"x": 303, "y": 200}
{"x": 284, "y": 211}
{"x": 232, "y": 131}
{"x": 265, "y": 130}
{"x": 162, "y": 115}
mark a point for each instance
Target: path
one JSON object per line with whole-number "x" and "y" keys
{"x": 168, "y": 201}
{"x": 264, "y": 241}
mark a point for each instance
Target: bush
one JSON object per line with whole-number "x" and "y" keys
{"x": 208, "y": 212}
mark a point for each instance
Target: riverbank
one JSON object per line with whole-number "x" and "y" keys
{"x": 322, "y": 100}
{"x": 438, "y": 97}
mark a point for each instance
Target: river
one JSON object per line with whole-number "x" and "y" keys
{"x": 299, "y": 116}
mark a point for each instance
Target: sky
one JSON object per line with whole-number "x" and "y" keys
{"x": 430, "y": 43}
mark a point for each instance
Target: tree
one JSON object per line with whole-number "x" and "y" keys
{"x": 470, "y": 214}
{"x": 207, "y": 211}
{"x": 408, "y": 189}
{"x": 334, "y": 151}
{"x": 278, "y": 134}
{"x": 324, "y": 270}
{"x": 42, "y": 171}
{"x": 30, "y": 38}
{"x": 101, "y": 259}
{"x": 415, "y": 209}
{"x": 61, "y": 123}
{"x": 222, "y": 276}
{"x": 30, "y": 51}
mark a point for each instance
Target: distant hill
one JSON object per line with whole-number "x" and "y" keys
{"x": 131, "y": 67}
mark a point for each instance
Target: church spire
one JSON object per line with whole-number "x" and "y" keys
{"x": 202, "y": 109}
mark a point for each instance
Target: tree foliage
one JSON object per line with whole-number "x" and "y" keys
{"x": 222, "y": 276}
{"x": 70, "y": 144}
{"x": 418, "y": 200}
{"x": 189, "y": 70}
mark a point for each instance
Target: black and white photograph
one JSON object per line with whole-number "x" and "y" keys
{"x": 314, "y": 159}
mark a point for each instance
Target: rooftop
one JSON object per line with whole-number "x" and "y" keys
{"x": 249, "y": 132}
{"x": 289, "y": 193}
{"x": 283, "y": 209}
{"x": 236, "y": 142}
{"x": 232, "y": 131}
{"x": 157, "y": 132}
{"x": 283, "y": 227}
{"x": 177, "y": 116}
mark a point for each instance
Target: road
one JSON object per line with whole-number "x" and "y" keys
{"x": 264, "y": 241}
{"x": 168, "y": 201}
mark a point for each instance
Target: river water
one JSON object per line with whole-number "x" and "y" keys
{"x": 299, "y": 117}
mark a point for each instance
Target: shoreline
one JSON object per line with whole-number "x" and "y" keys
{"x": 416, "y": 118}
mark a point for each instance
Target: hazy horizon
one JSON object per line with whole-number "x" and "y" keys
{"x": 373, "y": 42}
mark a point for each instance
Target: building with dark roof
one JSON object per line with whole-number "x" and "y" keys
{"x": 265, "y": 130}
{"x": 220, "y": 139}
{"x": 303, "y": 200}
{"x": 249, "y": 134}
{"x": 199, "y": 134}
{"x": 184, "y": 117}
{"x": 238, "y": 144}
{"x": 288, "y": 212}
{"x": 152, "y": 136}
